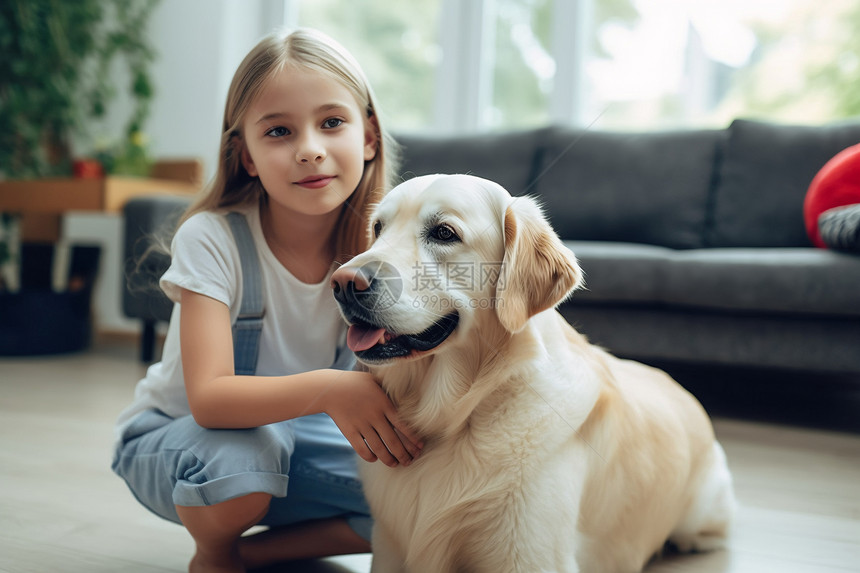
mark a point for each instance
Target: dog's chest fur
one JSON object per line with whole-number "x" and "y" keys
{"x": 488, "y": 483}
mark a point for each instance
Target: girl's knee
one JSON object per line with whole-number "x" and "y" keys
{"x": 263, "y": 449}
{"x": 198, "y": 467}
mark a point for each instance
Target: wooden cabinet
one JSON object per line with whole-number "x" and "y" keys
{"x": 42, "y": 202}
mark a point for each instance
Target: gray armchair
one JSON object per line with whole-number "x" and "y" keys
{"x": 148, "y": 220}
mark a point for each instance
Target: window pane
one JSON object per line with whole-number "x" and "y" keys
{"x": 705, "y": 62}
{"x": 651, "y": 64}
{"x": 523, "y": 65}
{"x": 396, "y": 45}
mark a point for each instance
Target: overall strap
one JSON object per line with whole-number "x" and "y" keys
{"x": 344, "y": 359}
{"x": 249, "y": 324}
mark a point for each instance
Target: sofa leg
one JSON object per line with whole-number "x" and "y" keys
{"x": 147, "y": 341}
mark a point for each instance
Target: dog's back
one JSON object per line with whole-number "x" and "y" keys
{"x": 654, "y": 474}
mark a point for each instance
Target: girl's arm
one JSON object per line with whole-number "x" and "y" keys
{"x": 220, "y": 399}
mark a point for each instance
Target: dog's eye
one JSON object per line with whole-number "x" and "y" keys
{"x": 444, "y": 234}
{"x": 377, "y": 228}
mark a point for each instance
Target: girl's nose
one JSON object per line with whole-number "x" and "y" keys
{"x": 310, "y": 150}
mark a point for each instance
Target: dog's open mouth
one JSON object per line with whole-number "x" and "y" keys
{"x": 374, "y": 344}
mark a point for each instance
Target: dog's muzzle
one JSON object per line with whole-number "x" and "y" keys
{"x": 364, "y": 294}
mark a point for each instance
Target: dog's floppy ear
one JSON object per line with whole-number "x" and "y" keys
{"x": 538, "y": 271}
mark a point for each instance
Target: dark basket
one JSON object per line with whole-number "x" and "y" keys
{"x": 44, "y": 322}
{"x": 38, "y": 320}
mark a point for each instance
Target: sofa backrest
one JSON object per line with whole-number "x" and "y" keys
{"x": 506, "y": 158}
{"x": 649, "y": 187}
{"x": 742, "y": 186}
{"x": 762, "y": 179}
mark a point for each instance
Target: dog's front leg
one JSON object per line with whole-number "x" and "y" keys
{"x": 387, "y": 556}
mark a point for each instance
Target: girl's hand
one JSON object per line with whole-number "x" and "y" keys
{"x": 368, "y": 419}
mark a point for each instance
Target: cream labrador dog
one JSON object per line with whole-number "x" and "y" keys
{"x": 542, "y": 452}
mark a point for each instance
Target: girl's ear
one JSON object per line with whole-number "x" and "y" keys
{"x": 371, "y": 138}
{"x": 247, "y": 161}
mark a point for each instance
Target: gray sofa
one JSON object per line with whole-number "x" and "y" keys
{"x": 692, "y": 242}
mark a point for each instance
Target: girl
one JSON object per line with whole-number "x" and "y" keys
{"x": 204, "y": 442}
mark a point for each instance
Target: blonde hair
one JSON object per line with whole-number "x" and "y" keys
{"x": 311, "y": 49}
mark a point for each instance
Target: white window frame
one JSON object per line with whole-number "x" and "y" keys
{"x": 571, "y": 36}
{"x": 464, "y": 80}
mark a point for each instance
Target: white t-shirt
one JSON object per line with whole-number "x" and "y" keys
{"x": 302, "y": 329}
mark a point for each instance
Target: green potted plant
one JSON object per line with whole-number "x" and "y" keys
{"x": 59, "y": 73}
{"x": 57, "y": 76}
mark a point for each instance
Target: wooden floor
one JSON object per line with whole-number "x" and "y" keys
{"x": 62, "y": 510}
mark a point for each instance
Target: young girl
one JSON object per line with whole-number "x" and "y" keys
{"x": 254, "y": 415}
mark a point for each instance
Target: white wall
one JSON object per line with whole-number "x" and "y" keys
{"x": 199, "y": 43}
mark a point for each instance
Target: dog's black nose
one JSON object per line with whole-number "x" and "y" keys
{"x": 346, "y": 281}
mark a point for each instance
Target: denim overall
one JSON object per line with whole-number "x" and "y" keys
{"x": 305, "y": 464}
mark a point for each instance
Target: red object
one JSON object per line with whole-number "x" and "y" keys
{"x": 836, "y": 185}
{"x": 87, "y": 169}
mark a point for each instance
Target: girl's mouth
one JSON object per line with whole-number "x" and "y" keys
{"x": 315, "y": 181}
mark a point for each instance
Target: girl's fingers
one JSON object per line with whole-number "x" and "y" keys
{"x": 409, "y": 438}
{"x": 360, "y": 446}
{"x": 397, "y": 445}
{"x": 378, "y": 447}
{"x": 413, "y": 448}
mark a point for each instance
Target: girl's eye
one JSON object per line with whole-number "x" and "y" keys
{"x": 278, "y": 132}
{"x": 444, "y": 234}
{"x": 377, "y": 229}
{"x": 332, "y": 122}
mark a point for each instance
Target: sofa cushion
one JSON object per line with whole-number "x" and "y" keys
{"x": 755, "y": 281}
{"x": 764, "y": 175}
{"x": 507, "y": 158}
{"x": 840, "y": 228}
{"x": 778, "y": 280}
{"x": 630, "y": 187}
{"x": 621, "y": 272}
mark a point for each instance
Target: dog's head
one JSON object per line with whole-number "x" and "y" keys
{"x": 450, "y": 253}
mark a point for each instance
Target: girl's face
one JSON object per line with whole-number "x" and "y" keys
{"x": 307, "y": 139}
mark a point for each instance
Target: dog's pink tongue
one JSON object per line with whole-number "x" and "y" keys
{"x": 360, "y": 337}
